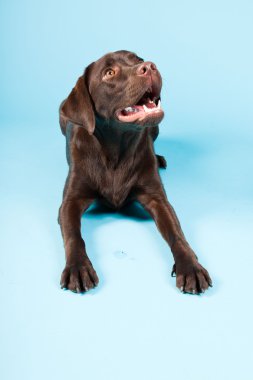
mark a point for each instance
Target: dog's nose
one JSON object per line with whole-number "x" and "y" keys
{"x": 146, "y": 68}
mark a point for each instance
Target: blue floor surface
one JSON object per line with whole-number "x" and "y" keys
{"x": 136, "y": 324}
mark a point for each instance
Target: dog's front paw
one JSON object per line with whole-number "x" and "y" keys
{"x": 79, "y": 277}
{"x": 191, "y": 277}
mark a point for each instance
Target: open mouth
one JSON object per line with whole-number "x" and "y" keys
{"x": 148, "y": 107}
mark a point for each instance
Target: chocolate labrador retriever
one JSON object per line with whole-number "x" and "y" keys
{"x": 110, "y": 120}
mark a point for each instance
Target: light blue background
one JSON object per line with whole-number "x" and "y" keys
{"x": 136, "y": 324}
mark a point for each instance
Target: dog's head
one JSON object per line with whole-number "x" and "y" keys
{"x": 121, "y": 87}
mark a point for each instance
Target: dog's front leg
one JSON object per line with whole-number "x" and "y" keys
{"x": 191, "y": 276}
{"x": 78, "y": 274}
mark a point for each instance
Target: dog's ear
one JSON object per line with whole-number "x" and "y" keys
{"x": 78, "y": 107}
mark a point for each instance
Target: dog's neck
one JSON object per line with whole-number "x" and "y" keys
{"x": 120, "y": 139}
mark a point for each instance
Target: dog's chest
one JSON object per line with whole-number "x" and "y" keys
{"x": 116, "y": 184}
{"x": 112, "y": 167}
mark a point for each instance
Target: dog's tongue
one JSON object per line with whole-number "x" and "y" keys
{"x": 148, "y": 105}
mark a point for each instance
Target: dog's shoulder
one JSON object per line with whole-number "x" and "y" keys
{"x": 79, "y": 143}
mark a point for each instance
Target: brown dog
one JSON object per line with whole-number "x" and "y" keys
{"x": 110, "y": 120}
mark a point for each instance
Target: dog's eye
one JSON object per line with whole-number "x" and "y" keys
{"x": 109, "y": 73}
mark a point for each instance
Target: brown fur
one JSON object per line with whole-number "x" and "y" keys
{"x": 114, "y": 162}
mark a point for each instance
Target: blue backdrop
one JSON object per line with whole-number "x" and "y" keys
{"x": 136, "y": 324}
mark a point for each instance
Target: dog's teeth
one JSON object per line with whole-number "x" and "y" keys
{"x": 128, "y": 109}
{"x": 145, "y": 108}
{"x": 159, "y": 104}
